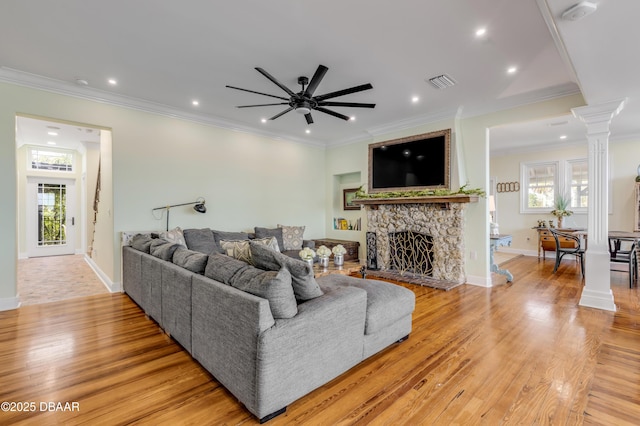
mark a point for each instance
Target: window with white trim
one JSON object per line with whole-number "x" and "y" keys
{"x": 50, "y": 159}
{"x": 539, "y": 186}
{"x": 542, "y": 182}
{"x": 578, "y": 183}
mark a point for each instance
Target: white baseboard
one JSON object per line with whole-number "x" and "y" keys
{"x": 110, "y": 285}
{"x": 9, "y": 303}
{"x": 478, "y": 281}
{"x": 23, "y": 255}
{"x": 507, "y": 249}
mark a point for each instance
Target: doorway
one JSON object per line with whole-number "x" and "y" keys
{"x": 58, "y": 166}
{"x": 50, "y": 230}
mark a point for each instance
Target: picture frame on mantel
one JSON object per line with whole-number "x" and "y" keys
{"x": 348, "y": 196}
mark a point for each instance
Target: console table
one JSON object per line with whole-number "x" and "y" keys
{"x": 546, "y": 242}
{"x": 494, "y": 242}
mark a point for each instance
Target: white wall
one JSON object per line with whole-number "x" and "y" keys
{"x": 247, "y": 180}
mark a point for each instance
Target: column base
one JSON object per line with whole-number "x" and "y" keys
{"x": 597, "y": 299}
{"x": 597, "y": 287}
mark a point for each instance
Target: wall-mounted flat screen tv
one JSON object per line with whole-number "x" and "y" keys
{"x": 413, "y": 163}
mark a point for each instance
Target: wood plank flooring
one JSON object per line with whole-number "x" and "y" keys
{"x": 518, "y": 353}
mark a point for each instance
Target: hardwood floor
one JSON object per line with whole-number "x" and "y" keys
{"x": 518, "y": 353}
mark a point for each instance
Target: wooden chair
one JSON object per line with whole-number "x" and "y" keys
{"x": 617, "y": 255}
{"x": 562, "y": 248}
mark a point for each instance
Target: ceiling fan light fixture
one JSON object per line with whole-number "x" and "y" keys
{"x": 303, "y": 110}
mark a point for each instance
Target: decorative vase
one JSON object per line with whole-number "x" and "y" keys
{"x": 338, "y": 259}
{"x": 309, "y": 261}
{"x": 559, "y": 221}
{"x": 323, "y": 261}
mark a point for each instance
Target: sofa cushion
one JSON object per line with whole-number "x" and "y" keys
{"x": 163, "y": 249}
{"x": 304, "y": 284}
{"x": 292, "y": 237}
{"x": 270, "y": 232}
{"x": 222, "y": 268}
{"x": 223, "y": 235}
{"x": 275, "y": 286}
{"x": 386, "y": 302}
{"x": 201, "y": 240}
{"x": 141, "y": 242}
{"x": 174, "y": 235}
{"x": 192, "y": 260}
{"x": 239, "y": 249}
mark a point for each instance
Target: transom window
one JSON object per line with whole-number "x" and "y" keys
{"x": 48, "y": 159}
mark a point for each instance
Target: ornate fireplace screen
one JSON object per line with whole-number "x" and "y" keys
{"x": 411, "y": 252}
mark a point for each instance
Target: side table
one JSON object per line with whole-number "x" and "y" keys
{"x": 494, "y": 242}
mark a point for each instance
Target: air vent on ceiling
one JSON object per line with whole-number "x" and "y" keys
{"x": 442, "y": 81}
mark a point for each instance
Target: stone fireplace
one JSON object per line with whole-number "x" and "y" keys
{"x": 417, "y": 240}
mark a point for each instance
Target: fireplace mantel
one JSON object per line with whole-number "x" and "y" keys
{"x": 457, "y": 198}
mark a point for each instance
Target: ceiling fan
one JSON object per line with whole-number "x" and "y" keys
{"x": 304, "y": 102}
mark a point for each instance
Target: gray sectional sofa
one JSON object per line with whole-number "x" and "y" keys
{"x": 269, "y": 334}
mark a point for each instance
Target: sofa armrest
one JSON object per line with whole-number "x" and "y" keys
{"x": 226, "y": 325}
{"x": 300, "y": 354}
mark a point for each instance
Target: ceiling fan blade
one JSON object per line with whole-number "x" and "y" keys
{"x": 335, "y": 114}
{"x": 282, "y": 113}
{"x": 344, "y": 92}
{"x": 274, "y": 81}
{"x": 315, "y": 80}
{"x": 257, "y": 93}
{"x": 309, "y": 118}
{"x": 346, "y": 104}
{"x": 261, "y": 105}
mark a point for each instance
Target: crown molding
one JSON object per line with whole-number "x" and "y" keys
{"x": 20, "y": 78}
{"x": 413, "y": 122}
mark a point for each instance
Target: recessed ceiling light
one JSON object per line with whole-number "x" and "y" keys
{"x": 415, "y": 99}
{"x": 512, "y": 70}
{"x": 51, "y": 143}
{"x": 195, "y": 102}
{"x": 307, "y": 131}
{"x": 112, "y": 81}
{"x": 563, "y": 137}
{"x": 52, "y": 133}
{"x": 264, "y": 120}
{"x": 352, "y": 118}
{"x": 480, "y": 32}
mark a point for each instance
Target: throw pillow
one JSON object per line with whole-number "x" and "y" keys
{"x": 222, "y": 268}
{"x": 275, "y": 286}
{"x": 163, "y": 249}
{"x": 175, "y": 236}
{"x": 271, "y": 285}
{"x": 239, "y": 249}
{"x": 141, "y": 242}
{"x": 267, "y": 232}
{"x": 292, "y": 237}
{"x": 194, "y": 261}
{"x": 201, "y": 240}
{"x": 304, "y": 284}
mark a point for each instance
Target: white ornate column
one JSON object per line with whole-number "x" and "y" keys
{"x": 597, "y": 290}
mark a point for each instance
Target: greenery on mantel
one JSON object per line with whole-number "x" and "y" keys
{"x": 423, "y": 193}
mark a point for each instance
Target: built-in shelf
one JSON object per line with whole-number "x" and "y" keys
{"x": 457, "y": 198}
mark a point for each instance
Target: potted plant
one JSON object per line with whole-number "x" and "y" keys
{"x": 307, "y": 255}
{"x": 338, "y": 254}
{"x": 560, "y": 208}
{"x": 323, "y": 255}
